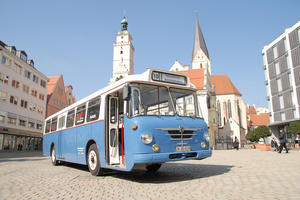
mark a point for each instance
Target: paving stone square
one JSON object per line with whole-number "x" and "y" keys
{"x": 228, "y": 174}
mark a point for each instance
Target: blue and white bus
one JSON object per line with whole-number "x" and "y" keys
{"x": 140, "y": 120}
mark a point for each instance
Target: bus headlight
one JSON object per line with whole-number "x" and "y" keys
{"x": 207, "y": 137}
{"x": 147, "y": 138}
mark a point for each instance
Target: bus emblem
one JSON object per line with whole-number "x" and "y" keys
{"x": 181, "y": 129}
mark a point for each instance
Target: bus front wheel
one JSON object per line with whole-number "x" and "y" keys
{"x": 94, "y": 161}
{"x": 53, "y": 156}
{"x": 153, "y": 167}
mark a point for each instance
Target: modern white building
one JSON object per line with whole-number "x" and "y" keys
{"x": 123, "y": 58}
{"x": 282, "y": 73}
{"x": 23, "y": 96}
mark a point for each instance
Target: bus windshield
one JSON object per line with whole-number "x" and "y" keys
{"x": 160, "y": 100}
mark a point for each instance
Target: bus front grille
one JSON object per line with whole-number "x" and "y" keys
{"x": 177, "y": 135}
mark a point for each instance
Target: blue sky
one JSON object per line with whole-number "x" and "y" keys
{"x": 75, "y": 38}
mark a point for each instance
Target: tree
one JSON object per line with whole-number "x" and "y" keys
{"x": 262, "y": 132}
{"x": 252, "y": 136}
{"x": 294, "y": 128}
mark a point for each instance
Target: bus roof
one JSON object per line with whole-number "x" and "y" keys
{"x": 165, "y": 78}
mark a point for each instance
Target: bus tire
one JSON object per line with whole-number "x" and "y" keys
{"x": 93, "y": 160}
{"x": 153, "y": 167}
{"x": 53, "y": 156}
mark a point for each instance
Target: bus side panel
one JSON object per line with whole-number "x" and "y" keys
{"x": 68, "y": 145}
{"x": 95, "y": 132}
{"x": 48, "y": 139}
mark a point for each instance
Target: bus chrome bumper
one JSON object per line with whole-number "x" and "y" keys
{"x": 168, "y": 157}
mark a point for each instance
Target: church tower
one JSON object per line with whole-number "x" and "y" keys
{"x": 200, "y": 57}
{"x": 123, "y": 54}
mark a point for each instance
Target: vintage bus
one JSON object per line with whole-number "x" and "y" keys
{"x": 139, "y": 121}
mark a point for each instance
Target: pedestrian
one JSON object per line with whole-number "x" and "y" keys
{"x": 274, "y": 144}
{"x": 282, "y": 138}
{"x": 236, "y": 143}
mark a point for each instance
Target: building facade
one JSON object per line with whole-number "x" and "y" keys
{"x": 231, "y": 109}
{"x": 281, "y": 60}
{"x": 123, "y": 58}
{"x": 23, "y": 92}
{"x": 56, "y": 95}
{"x": 69, "y": 95}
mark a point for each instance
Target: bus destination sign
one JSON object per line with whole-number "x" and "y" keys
{"x": 168, "y": 78}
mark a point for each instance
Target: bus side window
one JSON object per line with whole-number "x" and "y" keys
{"x": 70, "y": 118}
{"x": 61, "y": 122}
{"x": 93, "y": 110}
{"x": 54, "y": 124}
{"x": 47, "y": 129}
{"x": 80, "y": 115}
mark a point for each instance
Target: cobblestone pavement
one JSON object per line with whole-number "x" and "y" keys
{"x": 244, "y": 174}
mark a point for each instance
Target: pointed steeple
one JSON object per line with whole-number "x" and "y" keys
{"x": 199, "y": 42}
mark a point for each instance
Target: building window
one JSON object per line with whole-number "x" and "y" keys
{"x": 3, "y": 60}
{"x": 22, "y": 121}
{"x": 15, "y": 84}
{"x": 23, "y": 57}
{"x": 35, "y": 79}
{"x": 279, "y": 85}
{"x": 290, "y": 80}
{"x": 4, "y": 78}
{"x": 13, "y": 100}
{"x": 121, "y": 52}
{"x": 43, "y": 83}
{"x": 31, "y": 124}
{"x": 23, "y": 103}
{"x": 32, "y": 107}
{"x": 11, "y": 120}
{"x": 3, "y": 96}
{"x": 288, "y": 61}
{"x": 34, "y": 93}
{"x": 281, "y": 102}
{"x": 41, "y": 97}
{"x": 282, "y": 116}
{"x": 40, "y": 109}
{"x": 277, "y": 68}
{"x": 275, "y": 52}
{"x": 25, "y": 88}
{"x": 27, "y": 74}
{"x": 229, "y": 109}
{"x": 39, "y": 126}
{"x": 285, "y": 44}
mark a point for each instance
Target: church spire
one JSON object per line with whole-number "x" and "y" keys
{"x": 199, "y": 42}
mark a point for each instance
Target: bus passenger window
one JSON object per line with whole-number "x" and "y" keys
{"x": 80, "y": 115}
{"x": 70, "y": 118}
{"x": 47, "y": 129}
{"x": 54, "y": 124}
{"x": 61, "y": 122}
{"x": 93, "y": 110}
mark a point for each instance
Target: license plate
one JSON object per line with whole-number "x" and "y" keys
{"x": 183, "y": 148}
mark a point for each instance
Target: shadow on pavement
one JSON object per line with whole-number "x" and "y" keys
{"x": 169, "y": 172}
{"x": 173, "y": 172}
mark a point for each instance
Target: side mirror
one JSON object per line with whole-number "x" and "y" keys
{"x": 126, "y": 92}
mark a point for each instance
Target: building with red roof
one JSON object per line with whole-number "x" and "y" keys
{"x": 56, "y": 96}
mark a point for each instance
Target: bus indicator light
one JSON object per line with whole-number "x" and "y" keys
{"x": 155, "y": 147}
{"x": 203, "y": 145}
{"x": 134, "y": 127}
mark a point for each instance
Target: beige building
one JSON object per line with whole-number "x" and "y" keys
{"x": 232, "y": 116}
{"x": 23, "y": 93}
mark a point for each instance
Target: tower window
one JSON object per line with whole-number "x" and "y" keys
{"x": 121, "y": 52}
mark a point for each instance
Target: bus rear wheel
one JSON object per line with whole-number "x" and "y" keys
{"x": 94, "y": 161}
{"x": 153, "y": 167}
{"x": 53, "y": 156}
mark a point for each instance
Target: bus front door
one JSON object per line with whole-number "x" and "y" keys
{"x": 114, "y": 157}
